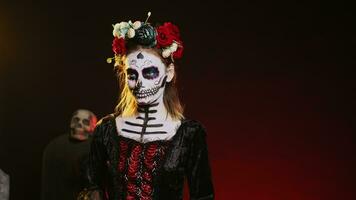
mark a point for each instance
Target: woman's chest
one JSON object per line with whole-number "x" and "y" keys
{"x": 143, "y": 161}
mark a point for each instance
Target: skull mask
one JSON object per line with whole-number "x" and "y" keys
{"x": 147, "y": 76}
{"x": 82, "y": 124}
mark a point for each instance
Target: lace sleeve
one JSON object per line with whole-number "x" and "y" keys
{"x": 95, "y": 169}
{"x": 198, "y": 168}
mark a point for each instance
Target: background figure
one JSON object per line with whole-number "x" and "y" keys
{"x": 63, "y": 157}
{"x": 4, "y": 186}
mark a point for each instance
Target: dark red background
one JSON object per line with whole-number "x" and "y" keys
{"x": 272, "y": 82}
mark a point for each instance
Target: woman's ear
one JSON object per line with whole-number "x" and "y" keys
{"x": 170, "y": 72}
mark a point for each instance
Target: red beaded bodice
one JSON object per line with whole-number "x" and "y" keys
{"x": 138, "y": 163}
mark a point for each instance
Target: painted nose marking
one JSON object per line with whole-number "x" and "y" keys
{"x": 140, "y": 56}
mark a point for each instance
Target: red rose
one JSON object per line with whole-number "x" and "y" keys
{"x": 118, "y": 46}
{"x": 163, "y": 37}
{"x": 130, "y": 197}
{"x": 131, "y": 187}
{"x": 166, "y": 34}
{"x": 174, "y": 29}
{"x": 147, "y": 176}
{"x": 179, "y": 53}
{"x": 146, "y": 188}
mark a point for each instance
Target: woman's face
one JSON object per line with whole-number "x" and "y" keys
{"x": 146, "y": 75}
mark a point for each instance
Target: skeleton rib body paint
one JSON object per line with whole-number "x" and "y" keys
{"x": 147, "y": 78}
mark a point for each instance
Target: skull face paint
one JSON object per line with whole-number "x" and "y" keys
{"x": 146, "y": 75}
{"x": 82, "y": 124}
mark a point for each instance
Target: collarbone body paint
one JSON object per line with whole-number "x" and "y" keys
{"x": 150, "y": 124}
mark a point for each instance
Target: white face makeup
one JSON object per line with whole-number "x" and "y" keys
{"x": 146, "y": 76}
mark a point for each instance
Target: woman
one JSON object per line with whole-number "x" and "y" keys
{"x": 148, "y": 148}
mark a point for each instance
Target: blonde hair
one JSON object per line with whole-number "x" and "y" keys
{"x": 127, "y": 104}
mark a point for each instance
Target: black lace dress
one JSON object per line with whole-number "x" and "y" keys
{"x": 123, "y": 168}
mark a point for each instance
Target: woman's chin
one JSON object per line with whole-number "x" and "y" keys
{"x": 145, "y": 101}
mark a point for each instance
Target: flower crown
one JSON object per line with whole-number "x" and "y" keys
{"x": 165, "y": 37}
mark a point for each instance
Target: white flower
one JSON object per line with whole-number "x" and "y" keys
{"x": 131, "y": 33}
{"x": 173, "y": 47}
{"x": 124, "y": 25}
{"x": 166, "y": 53}
{"x": 120, "y": 29}
{"x": 136, "y": 24}
{"x": 116, "y": 31}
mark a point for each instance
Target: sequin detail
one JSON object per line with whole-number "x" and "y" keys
{"x": 138, "y": 164}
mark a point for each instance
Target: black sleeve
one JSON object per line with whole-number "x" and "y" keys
{"x": 198, "y": 168}
{"x": 96, "y": 168}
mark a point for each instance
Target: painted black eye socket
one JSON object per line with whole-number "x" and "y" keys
{"x": 86, "y": 122}
{"x": 75, "y": 119}
{"x": 150, "y": 72}
{"x": 132, "y": 74}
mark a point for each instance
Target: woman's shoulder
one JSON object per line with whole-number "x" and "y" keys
{"x": 192, "y": 123}
{"x": 105, "y": 126}
{"x": 105, "y": 121}
{"x": 193, "y": 127}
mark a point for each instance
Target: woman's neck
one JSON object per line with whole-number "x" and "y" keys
{"x": 156, "y": 110}
{"x": 151, "y": 123}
